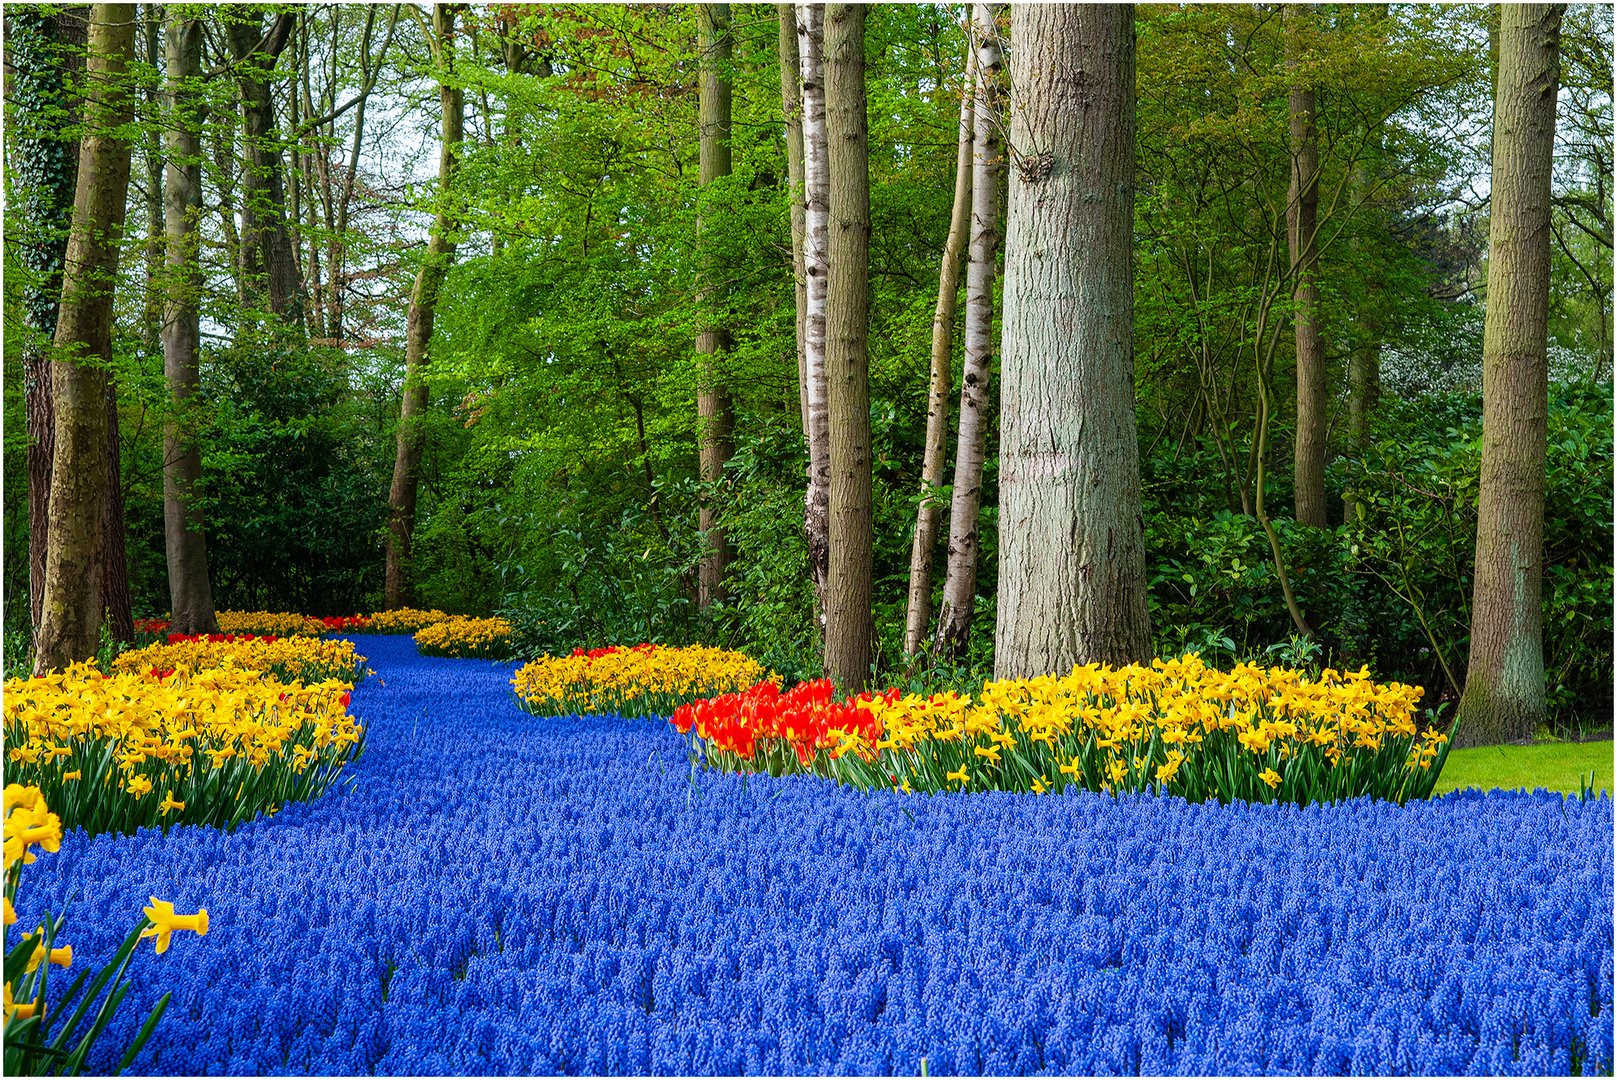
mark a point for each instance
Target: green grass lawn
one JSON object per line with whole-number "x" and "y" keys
{"x": 1552, "y": 766}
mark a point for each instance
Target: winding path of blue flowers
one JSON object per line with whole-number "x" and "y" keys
{"x": 502, "y": 894}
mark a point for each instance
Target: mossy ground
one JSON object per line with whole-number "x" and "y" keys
{"x": 1554, "y": 766}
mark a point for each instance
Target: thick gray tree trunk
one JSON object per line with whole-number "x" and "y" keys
{"x": 918, "y": 614}
{"x": 189, "y": 587}
{"x": 1503, "y": 699}
{"x": 74, "y": 587}
{"x": 411, "y": 437}
{"x": 1071, "y": 541}
{"x": 848, "y": 625}
{"x": 1302, "y": 220}
{"x": 965, "y": 511}
{"x": 715, "y": 419}
{"x": 816, "y": 269}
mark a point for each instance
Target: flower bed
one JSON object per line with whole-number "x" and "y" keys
{"x": 1175, "y": 727}
{"x": 402, "y": 621}
{"x": 269, "y": 623}
{"x": 644, "y": 680}
{"x": 214, "y": 746}
{"x": 566, "y": 897}
{"x": 295, "y": 659}
{"x": 465, "y": 637}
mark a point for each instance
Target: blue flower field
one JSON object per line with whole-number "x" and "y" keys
{"x": 495, "y": 893}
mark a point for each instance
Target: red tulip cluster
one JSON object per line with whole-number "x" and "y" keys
{"x": 151, "y": 626}
{"x": 596, "y": 654}
{"x": 804, "y": 718}
{"x": 338, "y": 623}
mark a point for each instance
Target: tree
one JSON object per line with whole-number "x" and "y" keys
{"x": 1302, "y": 221}
{"x": 715, "y": 419}
{"x": 848, "y": 622}
{"x": 1072, "y": 560}
{"x": 960, "y": 587}
{"x": 918, "y": 612}
{"x": 189, "y": 587}
{"x": 791, "y": 97}
{"x": 74, "y": 587}
{"x": 269, "y": 262}
{"x": 1504, "y": 686}
{"x": 816, "y": 257}
{"x": 423, "y": 307}
{"x": 44, "y": 52}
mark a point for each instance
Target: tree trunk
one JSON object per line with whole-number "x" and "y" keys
{"x": 269, "y": 259}
{"x": 1072, "y": 546}
{"x": 848, "y": 625}
{"x": 72, "y": 606}
{"x": 960, "y": 586}
{"x": 791, "y": 99}
{"x": 816, "y": 217}
{"x": 1302, "y": 220}
{"x": 1504, "y": 686}
{"x": 715, "y": 421}
{"x": 189, "y": 587}
{"x": 45, "y": 53}
{"x": 152, "y": 158}
{"x": 423, "y": 306}
{"x": 918, "y": 615}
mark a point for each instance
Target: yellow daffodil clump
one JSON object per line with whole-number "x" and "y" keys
{"x": 645, "y": 680}
{"x": 293, "y": 659}
{"x": 32, "y": 1048}
{"x": 464, "y": 636}
{"x": 214, "y": 746}
{"x": 1175, "y": 726}
{"x": 274, "y": 623}
{"x": 403, "y": 621}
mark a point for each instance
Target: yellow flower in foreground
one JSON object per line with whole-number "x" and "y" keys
{"x": 1270, "y": 777}
{"x": 61, "y": 957}
{"x": 76, "y": 774}
{"x": 27, "y": 825}
{"x": 170, "y": 803}
{"x": 17, "y": 1012}
{"x": 1167, "y": 769}
{"x": 165, "y": 922}
{"x": 959, "y": 775}
{"x": 11, "y": 913}
{"x": 140, "y": 786}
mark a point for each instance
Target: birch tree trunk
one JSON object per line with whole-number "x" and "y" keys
{"x": 72, "y": 604}
{"x": 423, "y": 306}
{"x": 1504, "y": 685}
{"x": 960, "y": 586}
{"x": 45, "y": 53}
{"x": 1302, "y": 220}
{"x": 189, "y": 587}
{"x": 715, "y": 420}
{"x": 848, "y": 624}
{"x": 1072, "y": 548}
{"x": 791, "y": 99}
{"x": 918, "y": 614}
{"x": 816, "y": 255}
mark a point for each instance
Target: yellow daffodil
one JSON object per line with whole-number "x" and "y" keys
{"x": 959, "y": 776}
{"x": 169, "y": 803}
{"x": 1270, "y": 777}
{"x": 165, "y": 922}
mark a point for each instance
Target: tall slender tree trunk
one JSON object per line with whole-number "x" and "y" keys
{"x": 1504, "y": 684}
{"x": 268, "y": 256}
{"x": 849, "y": 625}
{"x": 716, "y": 422}
{"x": 72, "y": 605}
{"x": 960, "y": 587}
{"x": 1072, "y": 545}
{"x": 45, "y": 53}
{"x": 151, "y": 145}
{"x": 918, "y": 614}
{"x": 189, "y": 588}
{"x": 791, "y": 99}
{"x": 423, "y": 306}
{"x": 816, "y": 268}
{"x": 1302, "y": 220}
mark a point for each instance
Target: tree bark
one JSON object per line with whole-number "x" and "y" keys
{"x": 152, "y": 158}
{"x": 1072, "y": 548}
{"x": 918, "y": 614}
{"x": 269, "y": 259}
{"x": 715, "y": 420}
{"x": 423, "y": 306}
{"x": 1504, "y": 686}
{"x": 45, "y": 53}
{"x": 72, "y": 606}
{"x": 791, "y": 99}
{"x": 960, "y": 586}
{"x": 849, "y": 625}
{"x": 1302, "y": 220}
{"x": 816, "y": 217}
{"x": 189, "y": 588}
